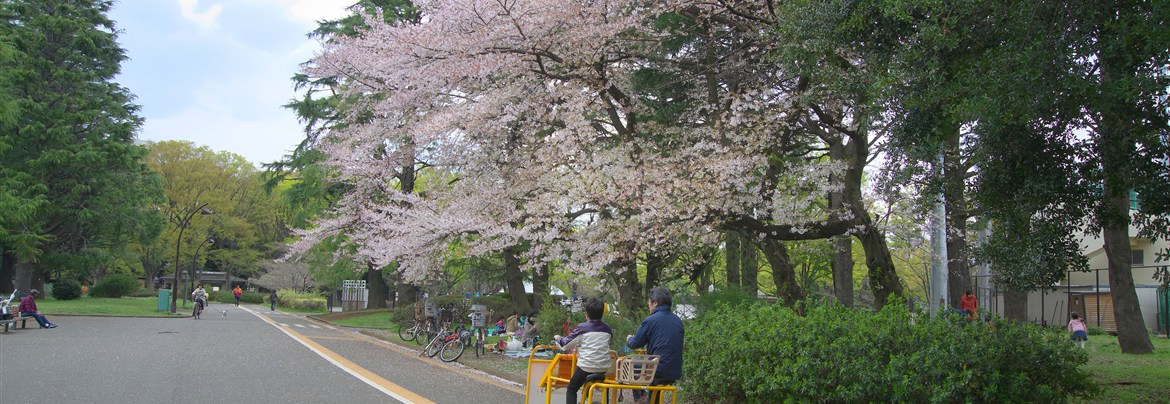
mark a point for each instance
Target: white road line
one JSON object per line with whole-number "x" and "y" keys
{"x": 299, "y": 325}
{"x": 283, "y": 324}
{"x": 315, "y": 326}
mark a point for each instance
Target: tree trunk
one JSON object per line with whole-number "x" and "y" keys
{"x": 843, "y": 270}
{"x": 654, "y": 265}
{"x": 958, "y": 270}
{"x": 629, "y": 289}
{"x": 733, "y": 251}
{"x": 1116, "y": 147}
{"x": 514, "y": 279}
{"x": 749, "y": 267}
{"x": 7, "y": 272}
{"x": 376, "y": 285}
{"x": 1015, "y": 305}
{"x": 783, "y": 272}
{"x": 25, "y": 275}
{"x": 540, "y": 289}
{"x": 842, "y": 245}
{"x": 884, "y": 280}
{"x": 407, "y": 294}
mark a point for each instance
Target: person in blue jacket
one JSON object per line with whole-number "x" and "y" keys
{"x": 661, "y": 333}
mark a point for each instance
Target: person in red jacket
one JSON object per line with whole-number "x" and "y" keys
{"x": 237, "y": 292}
{"x": 968, "y": 305}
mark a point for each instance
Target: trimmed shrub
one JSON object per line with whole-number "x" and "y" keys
{"x": 66, "y": 289}
{"x": 297, "y": 300}
{"x": 768, "y": 353}
{"x": 116, "y": 285}
{"x": 251, "y": 297}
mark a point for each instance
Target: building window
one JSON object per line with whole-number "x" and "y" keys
{"x": 1137, "y": 258}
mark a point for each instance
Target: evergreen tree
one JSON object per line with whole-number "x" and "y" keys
{"x": 73, "y": 178}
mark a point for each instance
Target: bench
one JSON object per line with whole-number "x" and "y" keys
{"x": 12, "y": 323}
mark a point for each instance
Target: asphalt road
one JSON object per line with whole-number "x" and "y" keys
{"x": 252, "y": 355}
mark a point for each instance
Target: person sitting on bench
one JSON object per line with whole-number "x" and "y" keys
{"x": 28, "y": 308}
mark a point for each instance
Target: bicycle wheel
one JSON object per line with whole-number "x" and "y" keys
{"x": 480, "y": 349}
{"x": 423, "y": 335}
{"x": 198, "y": 310}
{"x": 407, "y": 330}
{"x": 434, "y": 346}
{"x": 452, "y": 350}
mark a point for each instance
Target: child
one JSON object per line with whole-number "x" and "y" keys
{"x": 1077, "y": 327}
{"x": 592, "y": 339}
{"x": 499, "y": 328}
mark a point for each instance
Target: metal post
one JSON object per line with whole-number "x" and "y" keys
{"x": 1097, "y": 286}
{"x": 938, "y": 250}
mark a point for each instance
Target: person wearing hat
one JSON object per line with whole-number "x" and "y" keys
{"x": 28, "y": 308}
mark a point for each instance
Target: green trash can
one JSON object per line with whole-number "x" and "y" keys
{"x": 164, "y": 300}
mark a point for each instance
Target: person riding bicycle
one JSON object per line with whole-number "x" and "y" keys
{"x": 199, "y": 296}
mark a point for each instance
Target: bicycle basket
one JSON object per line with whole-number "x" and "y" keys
{"x": 478, "y": 320}
{"x": 636, "y": 369}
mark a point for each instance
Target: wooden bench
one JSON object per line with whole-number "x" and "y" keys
{"x": 12, "y": 323}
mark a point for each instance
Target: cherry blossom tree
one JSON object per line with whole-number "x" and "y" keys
{"x": 555, "y": 147}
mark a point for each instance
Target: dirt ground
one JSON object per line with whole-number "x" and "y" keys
{"x": 512, "y": 369}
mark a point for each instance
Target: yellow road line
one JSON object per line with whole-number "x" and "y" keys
{"x": 334, "y": 338}
{"x": 389, "y": 388}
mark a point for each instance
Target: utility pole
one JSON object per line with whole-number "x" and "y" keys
{"x": 938, "y": 250}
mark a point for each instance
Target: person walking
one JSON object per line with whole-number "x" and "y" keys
{"x": 272, "y": 299}
{"x": 237, "y": 292}
{"x": 662, "y": 334}
{"x": 28, "y": 308}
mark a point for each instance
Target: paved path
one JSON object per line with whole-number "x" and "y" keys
{"x": 252, "y": 355}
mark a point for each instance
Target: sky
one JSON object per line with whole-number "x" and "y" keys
{"x": 216, "y": 72}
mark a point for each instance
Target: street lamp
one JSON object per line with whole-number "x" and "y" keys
{"x": 200, "y": 209}
{"x": 195, "y": 262}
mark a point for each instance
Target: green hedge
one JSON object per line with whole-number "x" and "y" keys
{"x": 767, "y": 353}
{"x": 116, "y": 285}
{"x": 226, "y": 296}
{"x": 66, "y": 289}
{"x": 298, "y": 300}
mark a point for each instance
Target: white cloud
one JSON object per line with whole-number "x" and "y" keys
{"x": 205, "y": 19}
{"x": 308, "y": 12}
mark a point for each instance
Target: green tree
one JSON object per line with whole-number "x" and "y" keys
{"x": 72, "y": 178}
{"x": 217, "y": 208}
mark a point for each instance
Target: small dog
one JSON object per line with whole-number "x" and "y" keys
{"x": 223, "y": 312}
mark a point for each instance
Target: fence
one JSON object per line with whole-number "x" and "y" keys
{"x": 354, "y": 295}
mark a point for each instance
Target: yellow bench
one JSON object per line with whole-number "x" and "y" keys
{"x": 548, "y": 375}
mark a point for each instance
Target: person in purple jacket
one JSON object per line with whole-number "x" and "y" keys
{"x": 662, "y": 334}
{"x": 591, "y": 339}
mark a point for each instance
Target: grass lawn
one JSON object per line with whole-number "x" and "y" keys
{"x": 377, "y": 319}
{"x": 103, "y": 306}
{"x": 1129, "y": 378}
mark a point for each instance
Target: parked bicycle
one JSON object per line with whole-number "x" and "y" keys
{"x": 447, "y": 345}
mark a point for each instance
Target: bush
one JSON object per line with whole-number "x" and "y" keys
{"x": 66, "y": 289}
{"x": 550, "y": 321}
{"x": 116, "y": 285}
{"x": 768, "y": 353}
{"x": 298, "y": 300}
{"x": 144, "y": 292}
